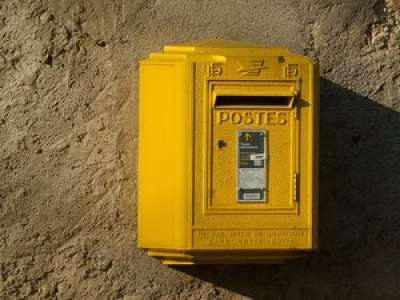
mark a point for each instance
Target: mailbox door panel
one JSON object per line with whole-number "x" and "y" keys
{"x": 277, "y": 219}
{"x": 252, "y": 158}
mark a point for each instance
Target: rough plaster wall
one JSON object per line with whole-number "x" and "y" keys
{"x": 68, "y": 83}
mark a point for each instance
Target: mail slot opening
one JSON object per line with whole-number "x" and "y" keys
{"x": 253, "y": 101}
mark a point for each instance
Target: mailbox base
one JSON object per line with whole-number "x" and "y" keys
{"x": 224, "y": 257}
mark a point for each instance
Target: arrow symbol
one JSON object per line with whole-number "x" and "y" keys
{"x": 255, "y": 68}
{"x": 247, "y": 136}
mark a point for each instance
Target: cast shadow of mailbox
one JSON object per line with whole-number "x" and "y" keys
{"x": 359, "y": 210}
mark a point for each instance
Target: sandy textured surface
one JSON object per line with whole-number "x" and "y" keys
{"x": 68, "y": 85}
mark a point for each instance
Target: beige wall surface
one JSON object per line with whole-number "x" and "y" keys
{"x": 68, "y": 86}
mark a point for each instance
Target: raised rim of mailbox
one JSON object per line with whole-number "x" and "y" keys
{"x": 290, "y": 88}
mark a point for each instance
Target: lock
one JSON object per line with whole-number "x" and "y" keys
{"x": 221, "y": 144}
{"x": 227, "y": 154}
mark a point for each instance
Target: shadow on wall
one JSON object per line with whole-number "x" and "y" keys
{"x": 359, "y": 212}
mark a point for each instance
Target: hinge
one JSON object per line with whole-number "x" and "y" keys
{"x": 296, "y": 112}
{"x": 294, "y": 192}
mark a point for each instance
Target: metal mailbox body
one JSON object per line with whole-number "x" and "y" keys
{"x": 228, "y": 154}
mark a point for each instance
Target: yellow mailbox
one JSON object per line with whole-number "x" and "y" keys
{"x": 228, "y": 154}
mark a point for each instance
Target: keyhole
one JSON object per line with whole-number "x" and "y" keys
{"x": 221, "y": 144}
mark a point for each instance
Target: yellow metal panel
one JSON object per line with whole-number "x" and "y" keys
{"x": 164, "y": 156}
